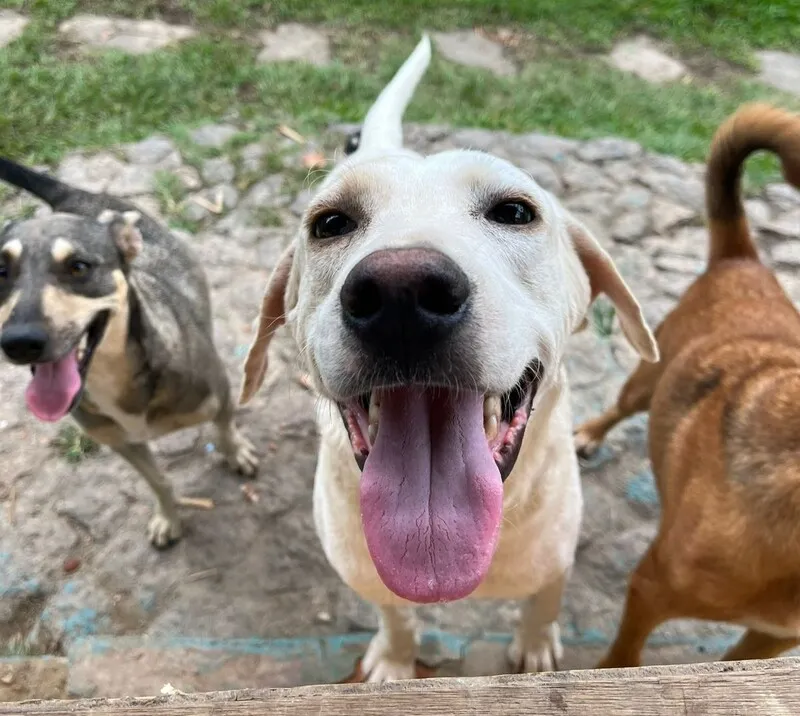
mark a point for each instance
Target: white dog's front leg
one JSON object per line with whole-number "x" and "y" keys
{"x": 537, "y": 642}
{"x": 392, "y": 653}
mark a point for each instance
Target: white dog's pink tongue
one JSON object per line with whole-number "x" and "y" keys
{"x": 431, "y": 495}
{"x": 53, "y": 388}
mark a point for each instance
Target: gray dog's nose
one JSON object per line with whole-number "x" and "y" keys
{"x": 23, "y": 344}
{"x": 403, "y": 302}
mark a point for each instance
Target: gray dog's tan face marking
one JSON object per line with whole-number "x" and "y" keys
{"x": 61, "y": 278}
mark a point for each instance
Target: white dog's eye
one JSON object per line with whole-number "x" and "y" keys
{"x": 511, "y": 212}
{"x": 332, "y": 224}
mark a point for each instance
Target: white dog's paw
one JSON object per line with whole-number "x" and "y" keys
{"x": 243, "y": 457}
{"x": 163, "y": 531}
{"x": 541, "y": 653}
{"x": 379, "y": 666}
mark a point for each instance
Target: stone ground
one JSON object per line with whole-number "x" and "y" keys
{"x": 78, "y": 579}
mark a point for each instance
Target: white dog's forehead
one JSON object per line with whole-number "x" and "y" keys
{"x": 447, "y": 180}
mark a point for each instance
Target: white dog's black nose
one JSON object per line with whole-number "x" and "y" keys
{"x": 401, "y": 301}
{"x": 23, "y": 344}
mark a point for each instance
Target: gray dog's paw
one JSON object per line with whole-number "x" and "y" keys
{"x": 244, "y": 458}
{"x": 163, "y": 531}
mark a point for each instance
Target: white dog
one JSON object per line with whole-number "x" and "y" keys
{"x": 432, "y": 299}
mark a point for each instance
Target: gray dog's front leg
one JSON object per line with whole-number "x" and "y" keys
{"x": 165, "y": 525}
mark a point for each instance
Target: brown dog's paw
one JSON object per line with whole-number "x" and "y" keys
{"x": 586, "y": 445}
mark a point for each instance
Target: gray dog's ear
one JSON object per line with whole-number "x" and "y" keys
{"x": 604, "y": 278}
{"x": 122, "y": 227}
{"x": 272, "y": 317}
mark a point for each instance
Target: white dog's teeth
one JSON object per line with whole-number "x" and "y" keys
{"x": 491, "y": 427}
{"x": 374, "y": 416}
{"x": 491, "y": 416}
{"x": 492, "y": 406}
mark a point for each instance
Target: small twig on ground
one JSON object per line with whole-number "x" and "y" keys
{"x": 250, "y": 493}
{"x": 202, "y": 574}
{"x": 201, "y": 503}
{"x": 207, "y": 205}
{"x": 290, "y": 133}
{"x": 12, "y": 505}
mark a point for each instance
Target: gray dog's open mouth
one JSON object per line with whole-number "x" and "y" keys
{"x": 56, "y": 386}
{"x": 504, "y": 419}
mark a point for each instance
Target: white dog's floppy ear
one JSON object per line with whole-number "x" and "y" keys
{"x": 604, "y": 278}
{"x": 272, "y": 317}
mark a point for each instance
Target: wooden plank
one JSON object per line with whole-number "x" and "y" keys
{"x": 720, "y": 689}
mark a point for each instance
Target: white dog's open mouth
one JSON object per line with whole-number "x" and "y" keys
{"x": 504, "y": 419}
{"x": 433, "y": 463}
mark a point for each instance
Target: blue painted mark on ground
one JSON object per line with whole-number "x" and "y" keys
{"x": 641, "y": 488}
{"x": 584, "y": 637}
{"x": 82, "y": 622}
{"x": 70, "y": 587}
{"x": 14, "y": 582}
{"x": 74, "y": 612}
{"x": 285, "y": 648}
{"x": 327, "y": 650}
{"x": 147, "y": 601}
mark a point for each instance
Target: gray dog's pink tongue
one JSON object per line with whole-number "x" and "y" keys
{"x": 431, "y": 495}
{"x": 53, "y": 388}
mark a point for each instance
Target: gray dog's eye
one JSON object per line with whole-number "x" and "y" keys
{"x": 511, "y": 212}
{"x": 332, "y": 224}
{"x": 78, "y": 269}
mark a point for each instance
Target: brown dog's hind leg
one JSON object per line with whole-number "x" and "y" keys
{"x": 758, "y": 645}
{"x": 238, "y": 450}
{"x": 646, "y": 607}
{"x": 633, "y": 398}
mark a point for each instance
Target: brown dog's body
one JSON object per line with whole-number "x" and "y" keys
{"x": 724, "y": 433}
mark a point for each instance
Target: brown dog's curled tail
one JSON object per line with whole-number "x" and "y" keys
{"x": 750, "y": 129}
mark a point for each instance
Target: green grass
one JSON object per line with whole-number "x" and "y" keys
{"x": 55, "y": 102}
{"x": 169, "y": 191}
{"x": 602, "y": 317}
{"x": 73, "y": 445}
{"x": 728, "y": 28}
{"x": 16, "y": 647}
{"x": 267, "y": 216}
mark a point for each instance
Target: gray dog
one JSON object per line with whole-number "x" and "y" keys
{"x": 112, "y": 313}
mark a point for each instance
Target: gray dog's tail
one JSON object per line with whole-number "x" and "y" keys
{"x": 63, "y": 197}
{"x": 47, "y": 188}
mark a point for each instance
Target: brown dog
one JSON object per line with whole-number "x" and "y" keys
{"x": 724, "y": 434}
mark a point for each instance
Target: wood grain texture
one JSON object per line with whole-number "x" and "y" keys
{"x": 720, "y": 689}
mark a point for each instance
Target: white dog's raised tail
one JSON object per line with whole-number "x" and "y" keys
{"x": 383, "y": 125}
